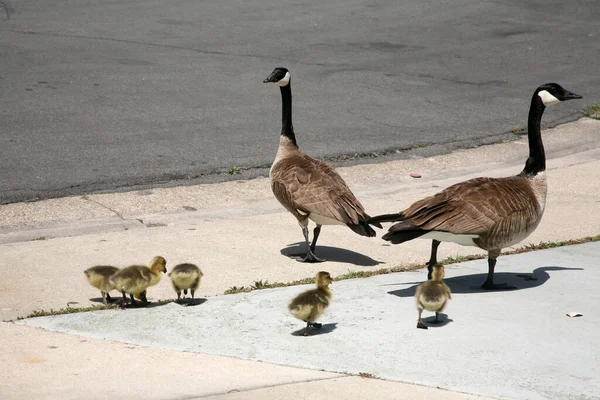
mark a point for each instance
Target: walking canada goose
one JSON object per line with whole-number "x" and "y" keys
{"x": 489, "y": 213}
{"x": 184, "y": 277}
{"x": 432, "y": 295}
{"x": 309, "y": 188}
{"x": 309, "y": 306}
{"x": 137, "y": 278}
{"x": 98, "y": 277}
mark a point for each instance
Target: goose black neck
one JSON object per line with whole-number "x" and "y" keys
{"x": 537, "y": 158}
{"x": 287, "y": 129}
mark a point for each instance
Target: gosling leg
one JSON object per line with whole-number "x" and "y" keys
{"x": 420, "y": 323}
{"x": 306, "y": 330}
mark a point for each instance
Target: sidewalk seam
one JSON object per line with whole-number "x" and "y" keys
{"x": 342, "y": 375}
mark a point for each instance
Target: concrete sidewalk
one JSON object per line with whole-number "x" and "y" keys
{"x": 45, "y": 246}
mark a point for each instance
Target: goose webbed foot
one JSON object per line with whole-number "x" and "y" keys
{"x": 316, "y": 325}
{"x": 489, "y": 285}
{"x": 310, "y": 258}
{"x": 421, "y": 325}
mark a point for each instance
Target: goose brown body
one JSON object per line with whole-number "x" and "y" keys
{"x": 492, "y": 212}
{"x": 309, "y": 188}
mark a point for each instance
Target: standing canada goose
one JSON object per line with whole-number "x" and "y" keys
{"x": 137, "y": 278}
{"x": 310, "y": 305}
{"x": 98, "y": 277}
{"x": 432, "y": 295}
{"x": 489, "y": 213}
{"x": 309, "y": 188}
{"x": 184, "y": 277}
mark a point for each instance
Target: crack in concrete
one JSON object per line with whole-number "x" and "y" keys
{"x": 341, "y": 376}
{"x": 8, "y": 8}
{"x": 118, "y": 214}
{"x": 169, "y": 46}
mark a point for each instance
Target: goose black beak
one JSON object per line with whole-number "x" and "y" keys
{"x": 571, "y": 96}
{"x": 275, "y": 76}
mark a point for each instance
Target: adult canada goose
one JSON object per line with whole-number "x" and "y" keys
{"x": 308, "y": 306}
{"x": 309, "y": 188}
{"x": 137, "y": 278}
{"x": 489, "y": 213}
{"x": 184, "y": 277}
{"x": 98, "y": 277}
{"x": 432, "y": 295}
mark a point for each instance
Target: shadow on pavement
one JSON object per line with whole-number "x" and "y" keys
{"x": 334, "y": 254}
{"x": 190, "y": 302}
{"x": 429, "y": 321}
{"x": 472, "y": 283}
{"x": 326, "y": 328}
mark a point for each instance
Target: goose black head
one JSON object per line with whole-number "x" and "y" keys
{"x": 553, "y": 93}
{"x": 280, "y": 75}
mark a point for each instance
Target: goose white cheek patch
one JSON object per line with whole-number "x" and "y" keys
{"x": 285, "y": 80}
{"x": 547, "y": 98}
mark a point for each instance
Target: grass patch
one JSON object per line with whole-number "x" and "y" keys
{"x": 38, "y": 238}
{"x": 518, "y": 131}
{"x": 68, "y": 310}
{"x": 418, "y": 146}
{"x": 234, "y": 170}
{"x": 409, "y": 267}
{"x": 593, "y": 112}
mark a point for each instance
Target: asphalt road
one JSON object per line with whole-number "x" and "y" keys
{"x": 106, "y": 95}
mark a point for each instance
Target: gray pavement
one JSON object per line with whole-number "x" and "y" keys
{"x": 108, "y": 95}
{"x": 518, "y": 344}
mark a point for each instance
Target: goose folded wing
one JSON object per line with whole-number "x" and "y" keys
{"x": 323, "y": 192}
{"x": 471, "y": 207}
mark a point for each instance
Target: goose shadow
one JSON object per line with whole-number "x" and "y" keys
{"x": 472, "y": 283}
{"x": 325, "y": 329}
{"x": 334, "y": 254}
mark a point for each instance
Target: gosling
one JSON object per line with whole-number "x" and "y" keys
{"x": 432, "y": 295}
{"x": 310, "y": 305}
{"x": 98, "y": 277}
{"x": 135, "y": 279}
{"x": 184, "y": 277}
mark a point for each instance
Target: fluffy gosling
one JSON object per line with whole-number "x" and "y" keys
{"x": 432, "y": 295}
{"x": 98, "y": 277}
{"x": 135, "y": 279}
{"x": 184, "y": 277}
{"x": 310, "y": 305}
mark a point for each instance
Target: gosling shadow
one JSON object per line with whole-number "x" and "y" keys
{"x": 443, "y": 320}
{"x": 325, "y": 329}
{"x": 334, "y": 254}
{"x": 188, "y": 302}
{"x": 472, "y": 283}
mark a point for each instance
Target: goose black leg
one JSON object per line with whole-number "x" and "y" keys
{"x": 316, "y": 233}
{"x": 433, "y": 258}
{"x": 436, "y": 320}
{"x": 108, "y": 298}
{"x": 310, "y": 256}
{"x": 123, "y": 300}
{"x": 489, "y": 283}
